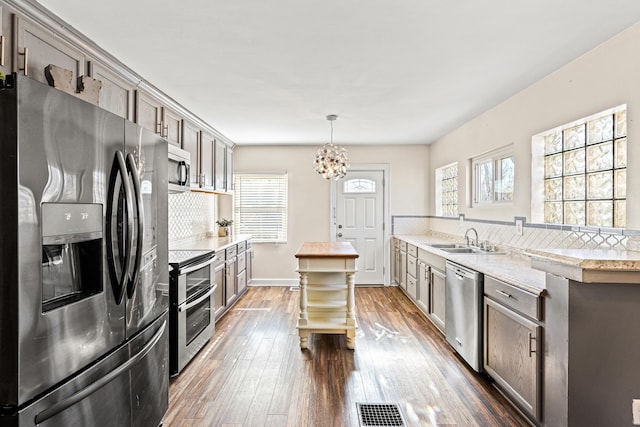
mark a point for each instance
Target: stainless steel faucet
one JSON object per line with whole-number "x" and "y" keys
{"x": 466, "y": 236}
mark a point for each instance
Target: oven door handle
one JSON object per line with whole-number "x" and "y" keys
{"x": 184, "y": 306}
{"x": 191, "y": 268}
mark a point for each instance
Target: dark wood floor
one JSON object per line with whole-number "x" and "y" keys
{"x": 253, "y": 373}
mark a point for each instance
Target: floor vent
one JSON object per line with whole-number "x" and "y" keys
{"x": 379, "y": 415}
{"x": 294, "y": 288}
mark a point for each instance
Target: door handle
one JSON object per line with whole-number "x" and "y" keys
{"x": 117, "y": 283}
{"x": 139, "y": 212}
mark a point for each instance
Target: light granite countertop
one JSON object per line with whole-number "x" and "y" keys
{"x": 589, "y": 265}
{"x": 209, "y": 243}
{"x": 511, "y": 267}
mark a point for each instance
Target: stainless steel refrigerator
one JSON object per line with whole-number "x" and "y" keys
{"x": 83, "y": 263}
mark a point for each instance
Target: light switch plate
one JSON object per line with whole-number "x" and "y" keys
{"x": 519, "y": 230}
{"x": 635, "y": 409}
{"x": 461, "y": 220}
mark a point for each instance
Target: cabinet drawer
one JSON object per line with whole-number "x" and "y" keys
{"x": 231, "y": 252}
{"x": 242, "y": 246}
{"x": 242, "y": 261}
{"x": 412, "y": 250}
{"x": 412, "y": 266}
{"x": 525, "y": 302}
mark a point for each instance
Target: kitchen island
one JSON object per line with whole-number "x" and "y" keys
{"x": 327, "y": 302}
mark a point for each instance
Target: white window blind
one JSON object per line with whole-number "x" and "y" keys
{"x": 260, "y": 206}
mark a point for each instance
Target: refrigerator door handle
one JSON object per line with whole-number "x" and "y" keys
{"x": 58, "y": 407}
{"x": 117, "y": 283}
{"x": 139, "y": 212}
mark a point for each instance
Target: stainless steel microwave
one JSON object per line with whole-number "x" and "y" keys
{"x": 179, "y": 169}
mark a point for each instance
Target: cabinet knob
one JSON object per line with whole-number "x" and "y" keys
{"x": 339, "y": 234}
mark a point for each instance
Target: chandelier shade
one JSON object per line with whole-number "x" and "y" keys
{"x": 331, "y": 161}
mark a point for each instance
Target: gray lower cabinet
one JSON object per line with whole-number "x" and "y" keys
{"x": 219, "y": 279}
{"x": 241, "y": 268}
{"x": 430, "y": 284}
{"x": 395, "y": 261}
{"x": 232, "y": 275}
{"x": 403, "y": 265}
{"x": 437, "y": 303}
{"x": 231, "y": 285}
{"x": 423, "y": 286}
{"x": 249, "y": 263}
{"x": 512, "y": 343}
{"x": 412, "y": 272}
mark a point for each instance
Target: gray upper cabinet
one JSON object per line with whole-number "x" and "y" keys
{"x": 207, "y": 143}
{"x": 116, "y": 94}
{"x": 148, "y": 112}
{"x": 171, "y": 125}
{"x": 191, "y": 143}
{"x": 36, "y": 47}
{"x": 158, "y": 118}
{"x": 4, "y": 44}
{"x": 220, "y": 161}
{"x": 228, "y": 170}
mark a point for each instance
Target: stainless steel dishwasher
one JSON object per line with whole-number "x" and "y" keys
{"x": 463, "y": 314}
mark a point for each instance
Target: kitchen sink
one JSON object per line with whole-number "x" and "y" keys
{"x": 455, "y": 250}
{"x": 461, "y": 248}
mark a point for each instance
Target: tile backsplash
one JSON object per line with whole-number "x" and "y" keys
{"x": 536, "y": 236}
{"x": 191, "y": 214}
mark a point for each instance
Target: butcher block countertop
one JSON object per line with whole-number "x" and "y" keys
{"x": 326, "y": 250}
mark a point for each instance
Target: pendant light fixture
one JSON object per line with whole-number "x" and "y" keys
{"x": 331, "y": 161}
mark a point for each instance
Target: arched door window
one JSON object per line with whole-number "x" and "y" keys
{"x": 359, "y": 185}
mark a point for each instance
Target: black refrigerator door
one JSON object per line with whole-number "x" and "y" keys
{"x": 148, "y": 291}
{"x": 58, "y": 313}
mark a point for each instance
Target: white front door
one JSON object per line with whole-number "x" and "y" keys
{"x": 359, "y": 219}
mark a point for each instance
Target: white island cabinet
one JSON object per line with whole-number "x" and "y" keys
{"x": 327, "y": 300}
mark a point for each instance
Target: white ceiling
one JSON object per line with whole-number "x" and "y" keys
{"x": 403, "y": 71}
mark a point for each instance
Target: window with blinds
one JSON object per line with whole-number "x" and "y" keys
{"x": 260, "y": 206}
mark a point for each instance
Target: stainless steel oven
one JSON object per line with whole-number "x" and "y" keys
{"x": 178, "y": 169}
{"x": 192, "y": 312}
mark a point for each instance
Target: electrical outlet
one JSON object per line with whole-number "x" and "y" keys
{"x": 461, "y": 220}
{"x": 635, "y": 410}
{"x": 519, "y": 230}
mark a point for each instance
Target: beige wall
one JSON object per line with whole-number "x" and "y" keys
{"x": 603, "y": 78}
{"x": 309, "y": 194}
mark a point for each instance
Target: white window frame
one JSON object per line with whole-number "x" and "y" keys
{"x": 260, "y": 206}
{"x": 439, "y": 190}
{"x": 494, "y": 159}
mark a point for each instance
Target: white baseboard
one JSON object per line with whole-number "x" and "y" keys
{"x": 275, "y": 282}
